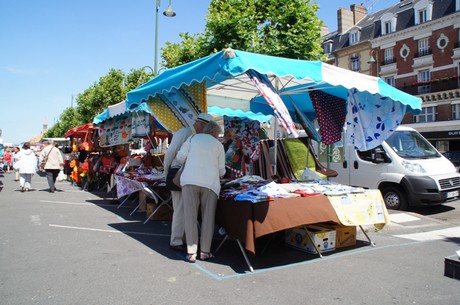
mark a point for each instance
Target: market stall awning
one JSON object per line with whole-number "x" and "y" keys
{"x": 244, "y": 75}
{"x": 119, "y": 109}
{"x": 240, "y": 113}
{"x": 80, "y": 131}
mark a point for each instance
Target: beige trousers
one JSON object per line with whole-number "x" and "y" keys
{"x": 196, "y": 197}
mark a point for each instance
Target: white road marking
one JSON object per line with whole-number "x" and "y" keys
{"x": 402, "y": 217}
{"x": 107, "y": 230}
{"x": 433, "y": 235}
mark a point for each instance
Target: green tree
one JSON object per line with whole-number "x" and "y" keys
{"x": 286, "y": 28}
{"x": 109, "y": 90}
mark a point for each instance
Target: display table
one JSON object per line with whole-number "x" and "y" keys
{"x": 127, "y": 187}
{"x": 245, "y": 221}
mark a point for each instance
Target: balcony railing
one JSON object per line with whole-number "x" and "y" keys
{"x": 432, "y": 86}
{"x": 388, "y": 61}
{"x": 424, "y": 52}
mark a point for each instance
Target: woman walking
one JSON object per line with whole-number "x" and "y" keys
{"x": 26, "y": 162}
{"x": 52, "y": 161}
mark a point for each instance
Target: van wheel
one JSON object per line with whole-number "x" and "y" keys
{"x": 394, "y": 198}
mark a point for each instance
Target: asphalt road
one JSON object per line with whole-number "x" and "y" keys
{"x": 75, "y": 247}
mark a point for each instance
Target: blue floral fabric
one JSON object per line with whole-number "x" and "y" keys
{"x": 371, "y": 119}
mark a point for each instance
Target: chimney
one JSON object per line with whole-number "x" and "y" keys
{"x": 344, "y": 20}
{"x": 359, "y": 12}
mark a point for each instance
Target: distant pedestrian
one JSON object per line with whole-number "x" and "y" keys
{"x": 26, "y": 163}
{"x": 16, "y": 151}
{"x": 52, "y": 161}
{"x": 7, "y": 160}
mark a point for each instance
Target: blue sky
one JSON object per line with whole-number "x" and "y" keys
{"x": 52, "y": 50}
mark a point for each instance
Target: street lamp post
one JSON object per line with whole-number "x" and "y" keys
{"x": 375, "y": 61}
{"x": 168, "y": 13}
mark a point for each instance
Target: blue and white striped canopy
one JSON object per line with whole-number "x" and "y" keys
{"x": 225, "y": 74}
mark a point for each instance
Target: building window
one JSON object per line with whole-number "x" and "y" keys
{"x": 388, "y": 27}
{"x": 422, "y": 17}
{"x": 424, "y": 77}
{"x": 423, "y": 47}
{"x": 354, "y": 37}
{"x": 455, "y": 111}
{"x": 388, "y": 56}
{"x": 428, "y": 114}
{"x": 390, "y": 81}
{"x": 327, "y": 48}
{"x": 354, "y": 62}
{"x": 423, "y": 11}
{"x": 388, "y": 23}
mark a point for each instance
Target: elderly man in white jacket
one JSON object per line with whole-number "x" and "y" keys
{"x": 204, "y": 159}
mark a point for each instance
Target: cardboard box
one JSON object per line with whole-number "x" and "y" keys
{"x": 452, "y": 267}
{"x": 323, "y": 238}
{"x": 345, "y": 235}
{"x": 164, "y": 213}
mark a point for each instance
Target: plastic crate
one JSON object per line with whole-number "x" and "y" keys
{"x": 452, "y": 267}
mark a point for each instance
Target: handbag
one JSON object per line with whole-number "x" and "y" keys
{"x": 176, "y": 179}
{"x": 170, "y": 185}
{"x": 43, "y": 163}
{"x": 173, "y": 176}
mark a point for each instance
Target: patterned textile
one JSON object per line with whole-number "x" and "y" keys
{"x": 121, "y": 129}
{"x": 247, "y": 132}
{"x": 366, "y": 208}
{"x": 331, "y": 112}
{"x": 371, "y": 119}
{"x": 179, "y": 107}
{"x": 273, "y": 99}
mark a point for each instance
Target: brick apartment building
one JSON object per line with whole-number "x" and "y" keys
{"x": 414, "y": 46}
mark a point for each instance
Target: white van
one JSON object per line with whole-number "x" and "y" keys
{"x": 406, "y": 168}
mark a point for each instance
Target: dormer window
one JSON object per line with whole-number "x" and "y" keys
{"x": 388, "y": 21}
{"x": 354, "y": 37}
{"x": 327, "y": 46}
{"x": 423, "y": 11}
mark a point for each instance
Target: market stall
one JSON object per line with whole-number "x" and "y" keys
{"x": 293, "y": 91}
{"x": 135, "y": 165}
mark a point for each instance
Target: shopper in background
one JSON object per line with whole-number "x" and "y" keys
{"x": 16, "y": 151}
{"x": 52, "y": 161}
{"x": 177, "y": 226}
{"x": 26, "y": 163}
{"x": 7, "y": 156}
{"x": 203, "y": 158}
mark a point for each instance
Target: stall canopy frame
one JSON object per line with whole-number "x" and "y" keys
{"x": 226, "y": 74}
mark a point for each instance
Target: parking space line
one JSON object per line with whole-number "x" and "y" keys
{"x": 108, "y": 230}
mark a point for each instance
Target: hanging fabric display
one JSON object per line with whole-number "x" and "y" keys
{"x": 273, "y": 99}
{"x": 330, "y": 111}
{"x": 247, "y": 137}
{"x": 371, "y": 120}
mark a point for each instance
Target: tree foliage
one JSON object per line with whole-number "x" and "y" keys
{"x": 286, "y": 28}
{"x": 109, "y": 90}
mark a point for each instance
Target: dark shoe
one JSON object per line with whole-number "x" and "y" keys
{"x": 181, "y": 248}
{"x": 22, "y": 189}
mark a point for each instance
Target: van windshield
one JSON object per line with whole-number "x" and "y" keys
{"x": 411, "y": 145}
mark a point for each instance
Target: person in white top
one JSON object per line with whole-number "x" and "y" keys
{"x": 26, "y": 163}
{"x": 177, "y": 225}
{"x": 204, "y": 159}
